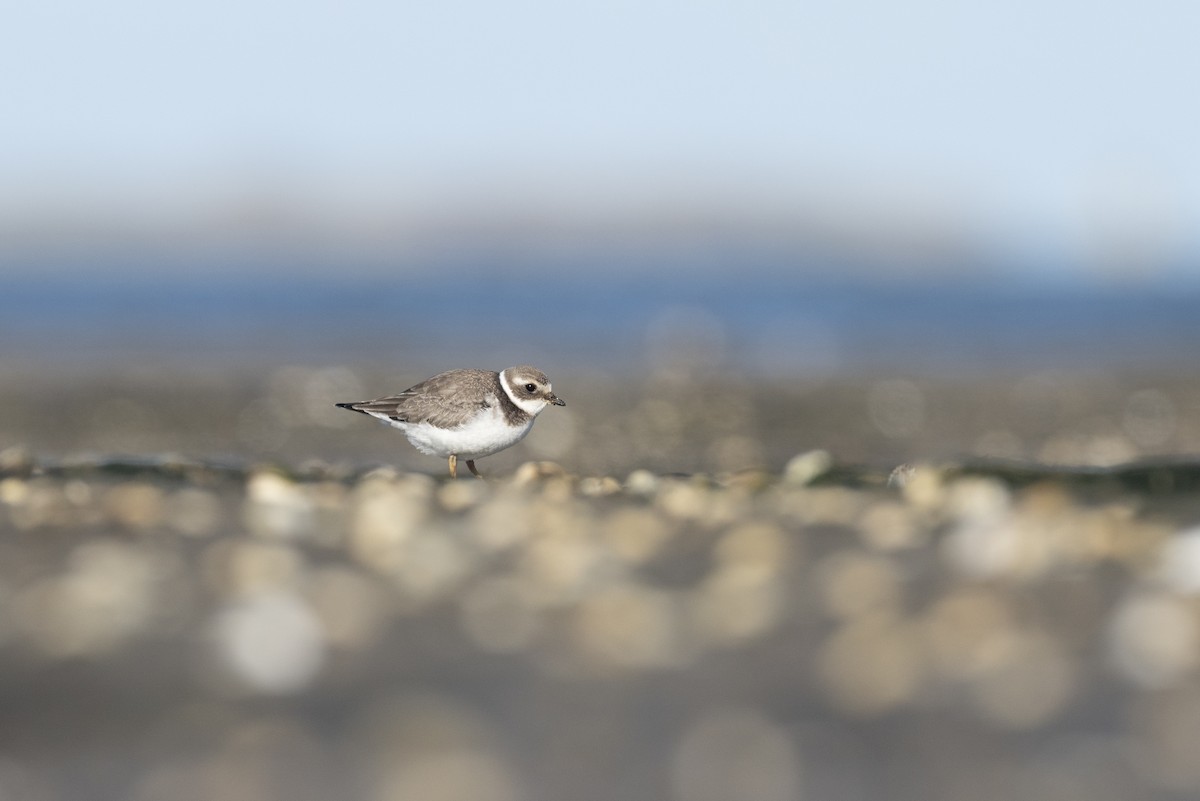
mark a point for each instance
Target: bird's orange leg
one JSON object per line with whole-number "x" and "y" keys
{"x": 454, "y": 466}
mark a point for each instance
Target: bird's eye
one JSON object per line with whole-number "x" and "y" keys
{"x": 530, "y": 387}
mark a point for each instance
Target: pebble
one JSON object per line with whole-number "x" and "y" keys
{"x": 16, "y": 461}
{"x": 804, "y": 468}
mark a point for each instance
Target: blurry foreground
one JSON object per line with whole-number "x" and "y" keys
{"x": 175, "y": 631}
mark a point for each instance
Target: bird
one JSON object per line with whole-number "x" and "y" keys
{"x": 465, "y": 414}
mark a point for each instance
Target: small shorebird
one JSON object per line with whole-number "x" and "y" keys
{"x": 466, "y": 414}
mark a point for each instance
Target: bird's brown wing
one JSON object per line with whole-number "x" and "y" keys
{"x": 447, "y": 400}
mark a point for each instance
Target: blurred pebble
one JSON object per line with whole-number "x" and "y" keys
{"x": 384, "y": 515}
{"x": 727, "y": 508}
{"x": 430, "y": 566}
{"x": 596, "y": 487}
{"x": 78, "y": 492}
{"x": 978, "y": 498}
{"x": 685, "y": 500}
{"x": 750, "y": 479}
{"x": 276, "y": 507}
{"x": 901, "y": 475}
{"x": 531, "y": 473}
{"x": 759, "y": 545}
{"x": 985, "y": 542}
{"x": 243, "y": 568}
{"x": 887, "y": 527}
{"x": 564, "y": 567}
{"x": 501, "y": 522}
{"x": 805, "y": 467}
{"x": 458, "y": 496}
{"x": 271, "y": 642}
{"x": 871, "y": 665}
{"x": 634, "y": 534}
{"x": 194, "y": 512}
{"x": 16, "y": 460}
{"x": 1153, "y": 640}
{"x": 1179, "y": 562}
{"x": 631, "y": 626}
{"x": 855, "y": 584}
{"x": 922, "y": 486}
{"x": 967, "y": 632}
{"x": 736, "y": 603}
{"x": 39, "y": 503}
{"x": 1028, "y": 686}
{"x": 14, "y": 491}
{"x": 823, "y": 505}
{"x": 135, "y": 505}
{"x": 641, "y": 482}
{"x": 105, "y": 596}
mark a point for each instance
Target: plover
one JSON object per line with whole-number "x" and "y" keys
{"x": 466, "y": 414}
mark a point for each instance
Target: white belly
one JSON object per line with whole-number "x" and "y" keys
{"x": 483, "y": 436}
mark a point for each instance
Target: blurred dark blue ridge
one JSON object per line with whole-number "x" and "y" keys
{"x": 767, "y": 321}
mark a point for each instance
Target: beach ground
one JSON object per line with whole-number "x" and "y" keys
{"x": 222, "y": 589}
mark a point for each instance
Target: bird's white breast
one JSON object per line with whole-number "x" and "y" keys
{"x": 487, "y": 433}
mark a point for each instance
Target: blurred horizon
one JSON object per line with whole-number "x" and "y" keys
{"x": 1030, "y": 144}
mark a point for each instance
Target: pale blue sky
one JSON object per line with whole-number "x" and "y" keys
{"x": 1034, "y": 122}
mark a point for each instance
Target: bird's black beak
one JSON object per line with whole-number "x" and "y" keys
{"x": 557, "y": 401}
